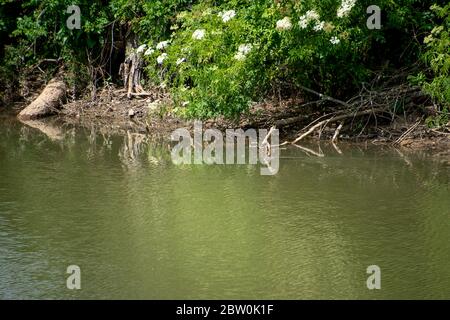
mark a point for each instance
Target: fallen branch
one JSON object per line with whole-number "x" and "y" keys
{"x": 336, "y": 133}
{"x": 440, "y": 132}
{"x": 141, "y": 94}
{"x": 336, "y": 119}
{"x": 289, "y": 121}
{"x": 407, "y": 133}
{"x": 265, "y": 142}
{"x": 325, "y": 97}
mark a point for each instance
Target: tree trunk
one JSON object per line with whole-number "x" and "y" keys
{"x": 131, "y": 69}
{"x": 47, "y": 103}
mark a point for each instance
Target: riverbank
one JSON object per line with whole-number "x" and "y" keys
{"x": 296, "y": 119}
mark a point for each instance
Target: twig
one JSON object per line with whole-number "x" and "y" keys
{"x": 325, "y": 97}
{"x": 336, "y": 133}
{"x": 288, "y": 121}
{"x": 266, "y": 139}
{"x": 408, "y": 132}
{"x": 141, "y": 94}
{"x": 440, "y": 132}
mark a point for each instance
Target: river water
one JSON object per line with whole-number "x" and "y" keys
{"x": 141, "y": 227}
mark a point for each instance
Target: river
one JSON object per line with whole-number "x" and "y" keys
{"x": 140, "y": 227}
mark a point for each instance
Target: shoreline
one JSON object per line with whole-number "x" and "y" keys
{"x": 370, "y": 120}
{"x": 114, "y": 117}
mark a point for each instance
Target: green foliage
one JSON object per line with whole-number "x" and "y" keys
{"x": 40, "y": 32}
{"x": 241, "y": 57}
{"x": 437, "y": 57}
{"x": 329, "y": 53}
{"x": 149, "y": 18}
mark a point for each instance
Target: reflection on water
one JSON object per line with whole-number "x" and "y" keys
{"x": 140, "y": 227}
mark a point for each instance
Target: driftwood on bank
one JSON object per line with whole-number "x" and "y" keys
{"x": 367, "y": 103}
{"x": 47, "y": 103}
{"x": 336, "y": 119}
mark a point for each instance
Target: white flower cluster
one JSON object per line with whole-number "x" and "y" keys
{"x": 284, "y": 24}
{"x": 227, "y": 15}
{"x": 345, "y": 8}
{"x": 162, "y": 45}
{"x": 149, "y": 52}
{"x": 335, "y": 40}
{"x": 303, "y": 23}
{"x": 243, "y": 51}
{"x": 305, "y": 20}
{"x": 319, "y": 26}
{"x": 161, "y": 58}
{"x": 141, "y": 48}
{"x": 311, "y": 16}
{"x": 199, "y": 34}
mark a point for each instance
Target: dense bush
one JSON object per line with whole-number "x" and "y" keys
{"x": 149, "y": 18}
{"x": 216, "y": 57}
{"x": 437, "y": 57}
{"x": 34, "y": 30}
{"x": 40, "y": 32}
{"x": 220, "y": 58}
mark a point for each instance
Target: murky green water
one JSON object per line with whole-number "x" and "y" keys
{"x": 141, "y": 227}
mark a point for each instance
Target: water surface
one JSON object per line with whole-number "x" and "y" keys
{"x": 141, "y": 227}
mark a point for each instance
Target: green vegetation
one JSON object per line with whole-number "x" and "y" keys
{"x": 217, "y": 57}
{"x": 437, "y": 56}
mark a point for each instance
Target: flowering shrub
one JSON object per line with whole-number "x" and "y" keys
{"x": 222, "y": 58}
{"x": 217, "y": 57}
